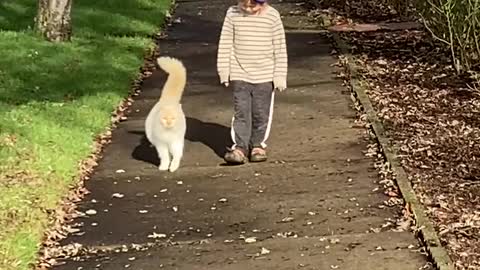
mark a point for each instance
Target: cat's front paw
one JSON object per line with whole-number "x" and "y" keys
{"x": 174, "y": 166}
{"x": 163, "y": 167}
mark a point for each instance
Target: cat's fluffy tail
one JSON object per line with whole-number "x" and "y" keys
{"x": 177, "y": 79}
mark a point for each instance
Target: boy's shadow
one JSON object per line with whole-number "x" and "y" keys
{"x": 215, "y": 136}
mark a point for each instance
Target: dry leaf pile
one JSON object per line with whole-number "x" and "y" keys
{"x": 433, "y": 117}
{"x": 363, "y": 11}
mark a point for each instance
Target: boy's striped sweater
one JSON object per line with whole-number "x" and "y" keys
{"x": 252, "y": 48}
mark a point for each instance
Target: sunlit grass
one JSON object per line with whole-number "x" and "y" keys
{"x": 54, "y": 100}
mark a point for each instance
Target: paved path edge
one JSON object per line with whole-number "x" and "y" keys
{"x": 424, "y": 227}
{"x": 66, "y": 210}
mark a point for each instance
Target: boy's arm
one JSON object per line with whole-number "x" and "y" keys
{"x": 224, "y": 49}
{"x": 280, "y": 54}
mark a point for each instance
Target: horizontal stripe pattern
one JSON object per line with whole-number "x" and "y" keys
{"x": 252, "y": 48}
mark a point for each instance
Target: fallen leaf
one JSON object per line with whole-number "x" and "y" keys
{"x": 250, "y": 240}
{"x": 118, "y": 195}
{"x": 91, "y": 212}
{"x": 264, "y": 251}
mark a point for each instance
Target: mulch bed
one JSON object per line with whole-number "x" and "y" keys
{"x": 431, "y": 114}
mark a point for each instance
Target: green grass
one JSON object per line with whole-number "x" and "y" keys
{"x": 54, "y": 100}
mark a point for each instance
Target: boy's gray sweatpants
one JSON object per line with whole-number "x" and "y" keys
{"x": 252, "y": 120}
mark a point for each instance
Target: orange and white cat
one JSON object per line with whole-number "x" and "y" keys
{"x": 165, "y": 125}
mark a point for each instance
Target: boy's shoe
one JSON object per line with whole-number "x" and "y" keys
{"x": 235, "y": 156}
{"x": 258, "y": 155}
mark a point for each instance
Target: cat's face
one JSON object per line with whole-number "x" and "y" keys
{"x": 168, "y": 121}
{"x": 168, "y": 117}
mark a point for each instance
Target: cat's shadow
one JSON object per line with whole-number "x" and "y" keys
{"x": 213, "y": 135}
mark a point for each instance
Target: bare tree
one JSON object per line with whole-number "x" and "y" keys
{"x": 53, "y": 20}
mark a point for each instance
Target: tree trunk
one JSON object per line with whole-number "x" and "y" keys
{"x": 53, "y": 19}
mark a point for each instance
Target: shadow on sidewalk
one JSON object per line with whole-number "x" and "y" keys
{"x": 215, "y": 136}
{"x": 145, "y": 152}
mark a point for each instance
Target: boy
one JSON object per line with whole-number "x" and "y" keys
{"x": 252, "y": 55}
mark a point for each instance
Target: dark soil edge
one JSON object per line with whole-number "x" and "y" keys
{"x": 65, "y": 212}
{"x": 424, "y": 227}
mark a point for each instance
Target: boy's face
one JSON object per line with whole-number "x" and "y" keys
{"x": 251, "y": 6}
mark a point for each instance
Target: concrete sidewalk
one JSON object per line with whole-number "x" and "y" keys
{"x": 314, "y": 205}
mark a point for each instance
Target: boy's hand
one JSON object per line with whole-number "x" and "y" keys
{"x": 224, "y": 79}
{"x": 279, "y": 84}
{"x": 280, "y": 88}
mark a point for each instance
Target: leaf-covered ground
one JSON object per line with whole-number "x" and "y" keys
{"x": 432, "y": 116}
{"x": 362, "y": 11}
